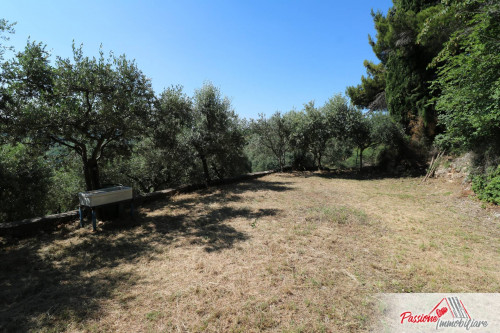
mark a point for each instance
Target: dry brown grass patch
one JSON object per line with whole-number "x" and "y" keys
{"x": 286, "y": 253}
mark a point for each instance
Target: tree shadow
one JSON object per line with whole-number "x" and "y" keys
{"x": 368, "y": 173}
{"x": 259, "y": 185}
{"x": 222, "y": 194}
{"x": 206, "y": 228}
{"x": 47, "y": 284}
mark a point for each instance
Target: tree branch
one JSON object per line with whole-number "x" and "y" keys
{"x": 75, "y": 147}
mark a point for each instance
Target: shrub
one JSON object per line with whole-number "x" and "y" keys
{"x": 487, "y": 187}
{"x": 24, "y": 183}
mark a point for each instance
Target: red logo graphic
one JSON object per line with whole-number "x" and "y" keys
{"x": 457, "y": 308}
{"x": 449, "y": 312}
{"x": 441, "y": 311}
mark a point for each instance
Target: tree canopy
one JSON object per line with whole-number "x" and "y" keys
{"x": 468, "y": 79}
{"x": 84, "y": 104}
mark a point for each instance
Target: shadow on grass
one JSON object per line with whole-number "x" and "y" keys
{"x": 368, "y": 173}
{"x": 57, "y": 279}
{"x": 47, "y": 285}
{"x": 202, "y": 225}
{"x": 224, "y": 193}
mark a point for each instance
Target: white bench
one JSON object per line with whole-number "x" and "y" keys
{"x": 104, "y": 197}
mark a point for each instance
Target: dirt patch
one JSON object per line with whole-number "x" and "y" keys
{"x": 288, "y": 252}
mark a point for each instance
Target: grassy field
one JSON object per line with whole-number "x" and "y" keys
{"x": 297, "y": 252}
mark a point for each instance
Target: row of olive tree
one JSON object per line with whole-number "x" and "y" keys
{"x": 304, "y": 138}
{"x": 104, "y": 108}
{"x": 83, "y": 123}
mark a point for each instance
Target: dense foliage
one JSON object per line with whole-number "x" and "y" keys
{"x": 488, "y": 186}
{"x": 86, "y": 105}
{"x": 86, "y": 123}
{"x": 24, "y": 182}
{"x": 469, "y": 78}
{"x": 305, "y": 139}
{"x": 439, "y": 76}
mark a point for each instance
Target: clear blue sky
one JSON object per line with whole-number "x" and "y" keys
{"x": 264, "y": 55}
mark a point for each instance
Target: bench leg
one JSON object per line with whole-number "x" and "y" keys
{"x": 94, "y": 223}
{"x": 81, "y": 216}
{"x": 131, "y": 209}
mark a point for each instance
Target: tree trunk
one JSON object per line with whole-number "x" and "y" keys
{"x": 219, "y": 173}
{"x": 91, "y": 172}
{"x": 86, "y": 173}
{"x": 361, "y": 159}
{"x": 94, "y": 174}
{"x": 205, "y": 168}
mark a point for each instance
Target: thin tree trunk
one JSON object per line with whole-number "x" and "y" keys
{"x": 360, "y": 159}
{"x": 86, "y": 173}
{"x": 205, "y": 168}
{"x": 91, "y": 173}
{"x": 94, "y": 174}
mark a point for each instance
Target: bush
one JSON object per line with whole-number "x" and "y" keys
{"x": 66, "y": 181}
{"x": 487, "y": 187}
{"x": 25, "y": 180}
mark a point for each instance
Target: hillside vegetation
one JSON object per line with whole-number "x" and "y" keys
{"x": 86, "y": 122}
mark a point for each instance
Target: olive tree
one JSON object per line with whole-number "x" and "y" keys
{"x": 161, "y": 157}
{"x": 274, "y": 135}
{"x": 93, "y": 106}
{"x": 215, "y": 135}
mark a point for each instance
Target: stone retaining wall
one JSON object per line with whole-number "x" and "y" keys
{"x": 27, "y": 226}
{"x": 455, "y": 168}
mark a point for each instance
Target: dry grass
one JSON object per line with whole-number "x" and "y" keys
{"x": 286, "y": 253}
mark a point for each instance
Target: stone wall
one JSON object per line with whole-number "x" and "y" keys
{"x": 455, "y": 168}
{"x": 28, "y": 226}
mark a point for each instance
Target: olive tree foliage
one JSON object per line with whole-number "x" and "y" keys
{"x": 347, "y": 126}
{"x": 330, "y": 131}
{"x": 301, "y": 157}
{"x": 261, "y": 159}
{"x": 161, "y": 157}
{"x": 318, "y": 130}
{"x": 66, "y": 180}
{"x": 87, "y": 105}
{"x": 351, "y": 126}
{"x": 384, "y": 131}
{"x": 342, "y": 116}
{"x": 215, "y": 135}
{"x": 25, "y": 176}
{"x": 273, "y": 135}
{"x": 310, "y": 131}
{"x": 24, "y": 182}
